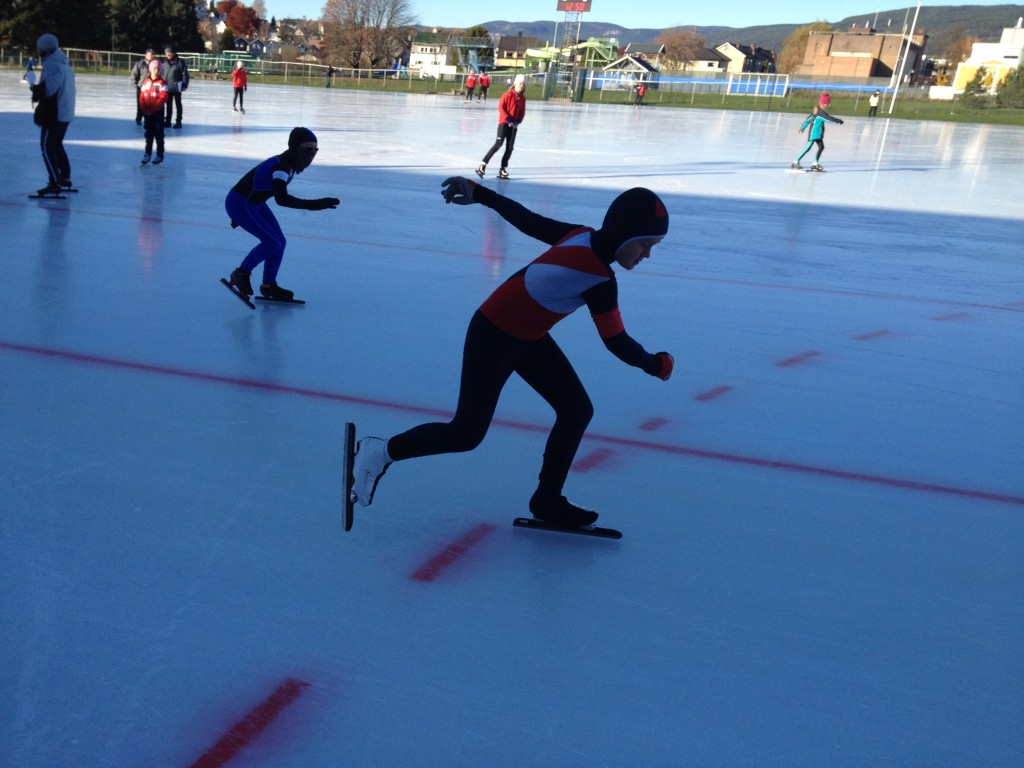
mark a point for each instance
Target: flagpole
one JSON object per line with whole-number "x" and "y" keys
{"x": 906, "y": 55}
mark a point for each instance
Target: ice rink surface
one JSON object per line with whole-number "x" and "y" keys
{"x": 823, "y": 509}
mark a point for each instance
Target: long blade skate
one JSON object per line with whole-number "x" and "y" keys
{"x": 348, "y": 499}
{"x": 241, "y": 296}
{"x": 586, "y": 530}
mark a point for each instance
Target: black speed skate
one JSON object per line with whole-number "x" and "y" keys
{"x": 560, "y": 512}
{"x": 240, "y": 286}
{"x": 52, "y": 190}
{"x": 274, "y": 292}
{"x": 559, "y": 515}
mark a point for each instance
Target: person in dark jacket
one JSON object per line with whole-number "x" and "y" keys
{"x": 176, "y": 75}
{"x": 509, "y": 334}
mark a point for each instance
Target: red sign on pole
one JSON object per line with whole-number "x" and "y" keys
{"x": 574, "y": 6}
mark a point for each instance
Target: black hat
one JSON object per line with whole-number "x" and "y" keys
{"x": 300, "y": 136}
{"x": 636, "y": 213}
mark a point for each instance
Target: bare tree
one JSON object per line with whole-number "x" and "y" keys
{"x": 683, "y": 45}
{"x": 366, "y": 33}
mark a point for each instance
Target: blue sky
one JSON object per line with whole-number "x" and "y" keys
{"x": 631, "y": 14}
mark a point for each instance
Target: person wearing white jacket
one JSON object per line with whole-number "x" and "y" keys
{"x": 55, "y": 93}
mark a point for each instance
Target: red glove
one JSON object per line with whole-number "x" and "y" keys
{"x": 667, "y": 364}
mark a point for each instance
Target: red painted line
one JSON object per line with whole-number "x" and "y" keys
{"x": 517, "y": 425}
{"x": 245, "y": 731}
{"x": 592, "y": 460}
{"x": 797, "y": 359}
{"x": 440, "y": 562}
{"x": 873, "y": 335}
{"x": 711, "y": 394}
{"x": 653, "y": 424}
{"x": 952, "y": 316}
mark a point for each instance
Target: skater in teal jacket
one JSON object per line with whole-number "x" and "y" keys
{"x": 816, "y": 120}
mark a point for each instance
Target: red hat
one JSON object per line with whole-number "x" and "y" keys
{"x": 825, "y": 100}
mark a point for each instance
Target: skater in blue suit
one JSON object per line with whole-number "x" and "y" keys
{"x": 246, "y": 204}
{"x": 816, "y": 120}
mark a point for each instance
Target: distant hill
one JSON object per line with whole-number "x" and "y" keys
{"x": 985, "y": 22}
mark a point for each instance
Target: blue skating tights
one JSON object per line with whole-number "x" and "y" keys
{"x": 258, "y": 220}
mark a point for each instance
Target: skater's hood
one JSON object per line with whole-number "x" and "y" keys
{"x": 636, "y": 214}
{"x": 47, "y": 43}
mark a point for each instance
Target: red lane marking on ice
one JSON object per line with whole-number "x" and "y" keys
{"x": 678, "y": 450}
{"x": 952, "y": 316}
{"x": 797, "y": 359}
{"x": 711, "y": 394}
{"x": 652, "y": 424}
{"x": 436, "y": 565}
{"x": 873, "y": 335}
{"x": 592, "y": 459}
{"x": 249, "y": 727}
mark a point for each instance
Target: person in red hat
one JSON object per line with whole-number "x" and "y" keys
{"x": 509, "y": 334}
{"x": 816, "y": 121}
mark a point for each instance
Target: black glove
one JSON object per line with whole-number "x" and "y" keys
{"x": 458, "y": 190}
{"x": 323, "y": 203}
{"x": 840, "y": 121}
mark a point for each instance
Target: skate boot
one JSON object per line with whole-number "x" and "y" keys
{"x": 371, "y": 462}
{"x": 480, "y": 169}
{"x": 817, "y": 167}
{"x": 558, "y": 510}
{"x": 158, "y": 159}
{"x": 275, "y": 292}
{"x": 503, "y": 173}
{"x": 146, "y": 158}
{"x": 53, "y": 188}
{"x": 240, "y": 279}
{"x": 66, "y": 183}
{"x": 796, "y": 167}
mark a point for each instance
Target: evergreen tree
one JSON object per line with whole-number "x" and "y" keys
{"x": 1011, "y": 90}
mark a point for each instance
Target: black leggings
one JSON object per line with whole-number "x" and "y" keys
{"x": 507, "y": 134}
{"x": 51, "y": 142}
{"x": 239, "y": 97}
{"x": 489, "y": 358}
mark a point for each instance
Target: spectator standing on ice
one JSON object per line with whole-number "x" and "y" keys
{"x": 240, "y": 81}
{"x": 816, "y": 121}
{"x": 470, "y": 85}
{"x": 509, "y": 334}
{"x": 873, "y": 103}
{"x": 511, "y": 111}
{"x": 55, "y": 93}
{"x": 485, "y": 83}
{"x": 176, "y": 75}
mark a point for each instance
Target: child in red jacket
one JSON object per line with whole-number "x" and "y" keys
{"x": 152, "y": 97}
